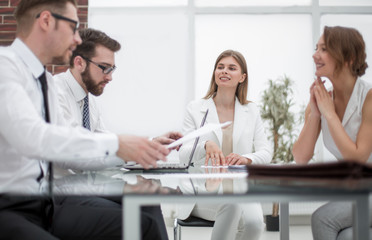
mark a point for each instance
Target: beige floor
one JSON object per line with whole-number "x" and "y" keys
{"x": 302, "y": 232}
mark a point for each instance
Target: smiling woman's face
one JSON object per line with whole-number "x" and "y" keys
{"x": 228, "y": 73}
{"x": 325, "y": 64}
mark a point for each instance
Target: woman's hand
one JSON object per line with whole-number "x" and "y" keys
{"x": 214, "y": 153}
{"x": 323, "y": 99}
{"x": 236, "y": 159}
{"x": 313, "y": 104}
{"x": 212, "y": 184}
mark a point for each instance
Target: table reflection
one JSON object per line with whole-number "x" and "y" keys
{"x": 215, "y": 180}
{"x": 198, "y": 180}
{"x": 112, "y": 184}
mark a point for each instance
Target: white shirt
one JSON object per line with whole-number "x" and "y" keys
{"x": 25, "y": 137}
{"x": 351, "y": 120}
{"x": 71, "y": 99}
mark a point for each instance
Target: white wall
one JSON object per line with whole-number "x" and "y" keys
{"x": 155, "y": 78}
{"x": 147, "y": 96}
{"x": 168, "y": 54}
{"x": 273, "y": 45}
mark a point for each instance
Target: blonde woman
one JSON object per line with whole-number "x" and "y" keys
{"x": 243, "y": 142}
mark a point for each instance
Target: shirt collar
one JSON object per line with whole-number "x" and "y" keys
{"x": 28, "y": 57}
{"x": 77, "y": 90}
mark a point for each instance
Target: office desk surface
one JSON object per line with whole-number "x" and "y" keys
{"x": 199, "y": 180}
{"x": 217, "y": 185}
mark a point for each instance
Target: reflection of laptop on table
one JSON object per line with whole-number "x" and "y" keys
{"x": 172, "y": 167}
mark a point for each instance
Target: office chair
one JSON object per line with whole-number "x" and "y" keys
{"x": 189, "y": 222}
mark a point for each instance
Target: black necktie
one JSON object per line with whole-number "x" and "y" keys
{"x": 44, "y": 89}
{"x": 86, "y": 121}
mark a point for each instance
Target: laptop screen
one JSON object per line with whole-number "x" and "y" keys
{"x": 197, "y": 139}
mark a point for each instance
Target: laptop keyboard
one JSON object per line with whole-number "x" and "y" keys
{"x": 171, "y": 165}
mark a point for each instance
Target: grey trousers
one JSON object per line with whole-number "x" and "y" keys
{"x": 334, "y": 221}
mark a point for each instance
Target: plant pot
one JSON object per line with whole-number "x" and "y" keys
{"x": 272, "y": 223}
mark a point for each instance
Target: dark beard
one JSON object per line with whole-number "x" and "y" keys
{"x": 89, "y": 84}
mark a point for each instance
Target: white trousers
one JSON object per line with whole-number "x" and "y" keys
{"x": 233, "y": 221}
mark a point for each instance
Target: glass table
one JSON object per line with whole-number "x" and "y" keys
{"x": 204, "y": 185}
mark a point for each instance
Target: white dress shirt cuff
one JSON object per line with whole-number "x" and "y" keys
{"x": 112, "y": 142}
{"x": 114, "y": 188}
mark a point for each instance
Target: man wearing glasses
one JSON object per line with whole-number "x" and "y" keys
{"x": 32, "y": 135}
{"x": 91, "y": 68}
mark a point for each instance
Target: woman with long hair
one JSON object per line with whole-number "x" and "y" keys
{"x": 241, "y": 143}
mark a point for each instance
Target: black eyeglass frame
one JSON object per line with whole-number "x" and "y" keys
{"x": 105, "y": 69}
{"x": 60, "y": 17}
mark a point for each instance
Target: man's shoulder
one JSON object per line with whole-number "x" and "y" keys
{"x": 61, "y": 85}
{"x": 12, "y": 66}
{"x": 60, "y": 79}
{"x": 7, "y": 54}
{"x": 60, "y": 76}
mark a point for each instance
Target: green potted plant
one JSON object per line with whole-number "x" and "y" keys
{"x": 277, "y": 101}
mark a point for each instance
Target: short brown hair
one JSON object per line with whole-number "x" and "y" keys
{"x": 241, "y": 90}
{"x": 346, "y": 45}
{"x": 90, "y": 39}
{"x": 27, "y": 10}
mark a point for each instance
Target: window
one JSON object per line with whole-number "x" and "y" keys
{"x": 204, "y": 3}
{"x": 169, "y": 48}
{"x": 137, "y": 3}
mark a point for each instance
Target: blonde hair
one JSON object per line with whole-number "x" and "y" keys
{"x": 242, "y": 89}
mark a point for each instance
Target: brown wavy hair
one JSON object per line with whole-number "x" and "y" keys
{"x": 346, "y": 45}
{"x": 91, "y": 38}
{"x": 242, "y": 89}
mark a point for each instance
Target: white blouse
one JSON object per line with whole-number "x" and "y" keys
{"x": 351, "y": 120}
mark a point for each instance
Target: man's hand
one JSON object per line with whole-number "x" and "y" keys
{"x": 141, "y": 150}
{"x": 168, "y": 138}
{"x": 144, "y": 185}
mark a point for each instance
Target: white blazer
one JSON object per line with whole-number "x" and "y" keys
{"x": 249, "y": 138}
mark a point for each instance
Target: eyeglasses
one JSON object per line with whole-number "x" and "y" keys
{"x": 105, "y": 69}
{"x": 60, "y": 17}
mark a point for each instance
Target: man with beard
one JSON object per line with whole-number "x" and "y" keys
{"x": 91, "y": 68}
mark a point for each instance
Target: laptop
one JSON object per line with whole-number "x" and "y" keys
{"x": 171, "y": 167}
